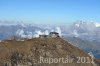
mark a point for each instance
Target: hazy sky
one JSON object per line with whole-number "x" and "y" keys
{"x": 52, "y": 11}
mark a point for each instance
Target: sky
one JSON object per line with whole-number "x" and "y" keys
{"x": 49, "y": 11}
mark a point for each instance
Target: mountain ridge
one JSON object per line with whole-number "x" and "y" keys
{"x": 23, "y": 52}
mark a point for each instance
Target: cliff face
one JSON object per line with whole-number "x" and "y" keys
{"x": 42, "y": 52}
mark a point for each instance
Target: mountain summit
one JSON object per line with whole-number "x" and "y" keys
{"x": 42, "y": 52}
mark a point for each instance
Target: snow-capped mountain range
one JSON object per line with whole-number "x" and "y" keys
{"x": 85, "y": 30}
{"x": 81, "y": 29}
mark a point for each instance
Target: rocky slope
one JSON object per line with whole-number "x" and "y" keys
{"x": 42, "y": 52}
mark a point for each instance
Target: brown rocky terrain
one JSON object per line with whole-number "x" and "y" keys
{"x": 42, "y": 52}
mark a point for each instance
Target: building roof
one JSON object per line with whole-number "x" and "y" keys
{"x": 53, "y": 33}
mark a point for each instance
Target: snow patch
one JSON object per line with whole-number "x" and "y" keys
{"x": 97, "y": 24}
{"x": 75, "y": 33}
{"x": 77, "y": 25}
{"x": 91, "y": 55}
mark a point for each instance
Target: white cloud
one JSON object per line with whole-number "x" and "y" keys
{"x": 37, "y": 33}
{"x": 20, "y": 32}
{"x": 46, "y": 32}
{"x": 58, "y": 30}
{"x": 30, "y": 35}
